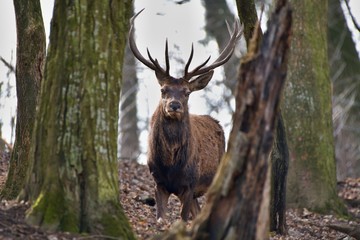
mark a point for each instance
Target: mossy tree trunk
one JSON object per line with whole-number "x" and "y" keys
{"x": 307, "y": 112}
{"x": 29, "y": 73}
{"x": 73, "y": 181}
{"x": 237, "y": 194}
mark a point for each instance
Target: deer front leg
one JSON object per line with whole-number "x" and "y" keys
{"x": 161, "y": 198}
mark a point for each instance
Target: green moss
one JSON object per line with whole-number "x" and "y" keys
{"x": 70, "y": 222}
{"x": 333, "y": 206}
{"x": 52, "y": 213}
{"x": 115, "y": 223}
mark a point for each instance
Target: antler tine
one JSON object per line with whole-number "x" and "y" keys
{"x": 167, "y": 58}
{"x": 154, "y": 61}
{"x": 223, "y": 57}
{"x": 152, "y": 64}
{"x": 189, "y": 61}
{"x": 186, "y": 73}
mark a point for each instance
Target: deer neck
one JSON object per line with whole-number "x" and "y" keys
{"x": 174, "y": 132}
{"x": 171, "y": 140}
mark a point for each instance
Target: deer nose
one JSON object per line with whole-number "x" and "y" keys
{"x": 174, "y": 105}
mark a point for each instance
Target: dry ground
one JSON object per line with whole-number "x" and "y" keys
{"x": 136, "y": 198}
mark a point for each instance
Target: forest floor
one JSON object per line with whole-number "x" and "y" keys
{"x": 137, "y": 200}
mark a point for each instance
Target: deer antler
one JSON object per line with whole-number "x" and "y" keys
{"x": 224, "y": 55}
{"x": 153, "y": 63}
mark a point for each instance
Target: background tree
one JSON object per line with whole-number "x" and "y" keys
{"x": 29, "y": 72}
{"x": 73, "y": 181}
{"x": 345, "y": 76}
{"x": 129, "y": 131}
{"x": 307, "y": 113}
{"x": 217, "y": 13}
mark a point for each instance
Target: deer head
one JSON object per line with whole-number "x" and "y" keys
{"x": 175, "y": 91}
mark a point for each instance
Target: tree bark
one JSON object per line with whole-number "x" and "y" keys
{"x": 235, "y": 197}
{"x": 280, "y": 152}
{"x": 73, "y": 179}
{"x": 279, "y": 169}
{"x": 29, "y": 73}
{"x": 248, "y": 17}
{"x": 307, "y": 113}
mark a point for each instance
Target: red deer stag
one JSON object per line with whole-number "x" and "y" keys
{"x": 184, "y": 149}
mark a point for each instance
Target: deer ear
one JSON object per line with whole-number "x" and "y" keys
{"x": 201, "y": 81}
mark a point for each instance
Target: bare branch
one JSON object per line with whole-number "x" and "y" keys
{"x": 352, "y": 231}
{"x": 8, "y": 65}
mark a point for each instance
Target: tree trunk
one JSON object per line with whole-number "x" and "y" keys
{"x": 280, "y": 152}
{"x": 29, "y": 72}
{"x": 73, "y": 182}
{"x": 217, "y": 12}
{"x": 248, "y": 17}
{"x": 129, "y": 132}
{"x": 307, "y": 113}
{"x": 236, "y": 195}
{"x": 279, "y": 169}
{"x": 345, "y": 75}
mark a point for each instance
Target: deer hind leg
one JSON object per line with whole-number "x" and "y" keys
{"x": 161, "y": 198}
{"x": 186, "y": 199}
{"x": 195, "y": 208}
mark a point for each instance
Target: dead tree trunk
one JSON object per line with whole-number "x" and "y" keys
{"x": 280, "y": 152}
{"x": 234, "y": 199}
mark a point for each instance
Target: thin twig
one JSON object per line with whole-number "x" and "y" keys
{"x": 8, "y": 65}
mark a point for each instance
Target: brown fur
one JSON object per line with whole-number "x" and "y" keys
{"x": 183, "y": 155}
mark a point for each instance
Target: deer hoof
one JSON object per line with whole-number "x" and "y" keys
{"x": 160, "y": 220}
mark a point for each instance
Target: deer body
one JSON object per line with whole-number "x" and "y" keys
{"x": 183, "y": 157}
{"x": 184, "y": 149}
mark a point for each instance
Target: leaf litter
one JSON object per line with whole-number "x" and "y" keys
{"x": 137, "y": 199}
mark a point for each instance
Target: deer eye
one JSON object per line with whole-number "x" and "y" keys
{"x": 163, "y": 92}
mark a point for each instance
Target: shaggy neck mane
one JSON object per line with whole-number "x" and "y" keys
{"x": 174, "y": 131}
{"x": 174, "y": 134}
